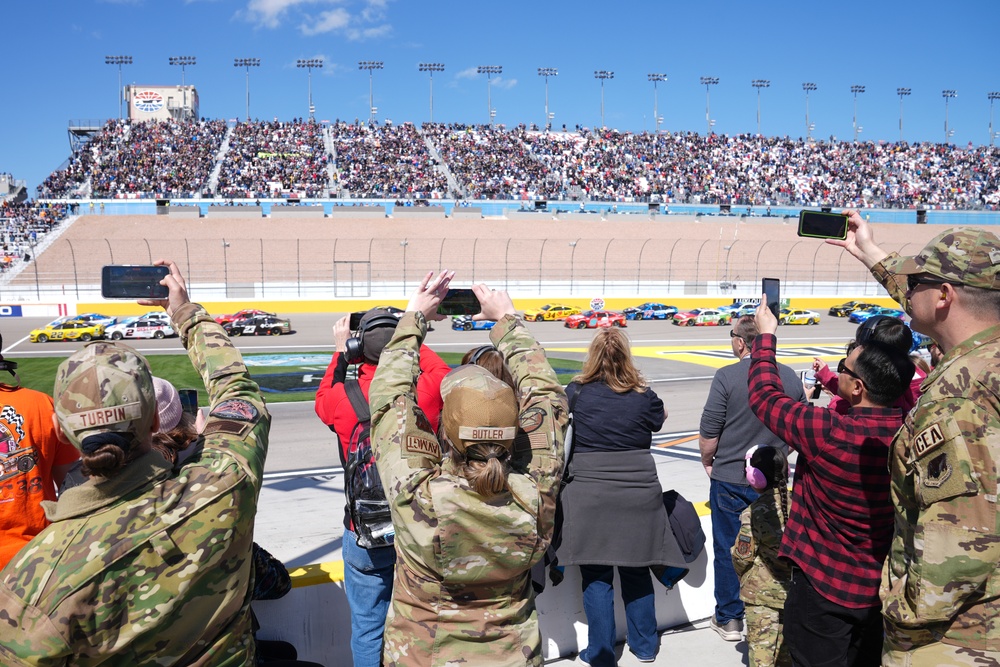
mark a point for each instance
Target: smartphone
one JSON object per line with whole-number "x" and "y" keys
{"x": 819, "y": 225}
{"x": 356, "y": 320}
{"x": 189, "y": 400}
{"x": 127, "y": 281}
{"x": 771, "y": 288}
{"x": 459, "y": 301}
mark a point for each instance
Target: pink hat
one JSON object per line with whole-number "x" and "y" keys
{"x": 168, "y": 404}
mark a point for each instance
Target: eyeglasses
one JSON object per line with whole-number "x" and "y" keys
{"x": 733, "y": 334}
{"x": 842, "y": 368}
{"x": 913, "y": 281}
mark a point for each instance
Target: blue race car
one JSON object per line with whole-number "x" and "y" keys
{"x": 466, "y": 323}
{"x": 650, "y": 311}
{"x": 859, "y": 316}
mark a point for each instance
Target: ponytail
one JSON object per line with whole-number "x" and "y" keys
{"x": 486, "y": 467}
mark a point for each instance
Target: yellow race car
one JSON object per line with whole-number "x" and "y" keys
{"x": 789, "y": 316}
{"x": 66, "y": 329}
{"x": 550, "y": 311}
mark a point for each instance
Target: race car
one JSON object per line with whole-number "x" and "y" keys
{"x": 708, "y": 317}
{"x": 789, "y": 316}
{"x": 16, "y": 461}
{"x": 859, "y": 316}
{"x": 140, "y": 327}
{"x": 466, "y": 323}
{"x": 650, "y": 311}
{"x": 845, "y": 309}
{"x": 66, "y": 329}
{"x": 745, "y": 309}
{"x": 550, "y": 311}
{"x": 95, "y": 318}
{"x": 241, "y": 315}
{"x": 258, "y": 325}
{"x": 591, "y": 319}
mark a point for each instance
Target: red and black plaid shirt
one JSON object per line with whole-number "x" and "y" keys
{"x": 840, "y": 522}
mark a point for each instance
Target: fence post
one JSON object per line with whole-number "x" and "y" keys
{"x": 541, "y": 254}
{"x": 638, "y": 269}
{"x": 76, "y": 279}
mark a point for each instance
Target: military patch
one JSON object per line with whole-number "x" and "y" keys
{"x": 532, "y": 419}
{"x": 927, "y": 440}
{"x": 539, "y": 440}
{"x": 744, "y": 546}
{"x": 938, "y": 471}
{"x": 236, "y": 408}
{"x": 229, "y": 426}
{"x": 414, "y": 444}
{"x": 423, "y": 423}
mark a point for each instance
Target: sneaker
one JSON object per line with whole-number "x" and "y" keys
{"x": 731, "y": 630}
{"x": 652, "y": 659}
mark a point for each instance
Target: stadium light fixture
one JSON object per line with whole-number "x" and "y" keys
{"x": 489, "y": 70}
{"x": 808, "y": 87}
{"x": 947, "y": 95}
{"x": 119, "y": 61}
{"x": 430, "y": 68}
{"x": 603, "y": 75}
{"x": 708, "y": 82}
{"x": 247, "y": 63}
{"x": 992, "y": 96}
{"x": 546, "y": 72}
{"x": 308, "y": 64}
{"x": 371, "y": 66}
{"x": 902, "y": 92}
{"x": 758, "y": 84}
{"x": 656, "y": 78}
{"x": 182, "y": 62}
{"x": 855, "y": 89}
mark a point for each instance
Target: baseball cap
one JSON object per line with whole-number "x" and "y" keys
{"x": 377, "y": 338}
{"x": 105, "y": 387}
{"x": 477, "y": 408}
{"x": 965, "y": 255}
{"x": 168, "y": 404}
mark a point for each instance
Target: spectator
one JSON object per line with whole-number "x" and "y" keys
{"x": 939, "y": 586}
{"x": 386, "y": 161}
{"x": 368, "y": 572}
{"x": 113, "y": 538}
{"x": 728, "y": 429}
{"x": 468, "y": 527}
{"x": 33, "y": 462}
{"x": 840, "y": 522}
{"x": 612, "y": 475}
{"x": 268, "y": 159}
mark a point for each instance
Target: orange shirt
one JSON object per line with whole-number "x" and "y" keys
{"x": 29, "y": 450}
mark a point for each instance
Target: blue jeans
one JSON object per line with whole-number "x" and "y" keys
{"x": 368, "y": 583}
{"x": 599, "y": 605}
{"x": 727, "y": 501}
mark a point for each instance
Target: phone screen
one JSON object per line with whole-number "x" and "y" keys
{"x": 459, "y": 301}
{"x": 124, "y": 281}
{"x": 819, "y": 225}
{"x": 189, "y": 400}
{"x": 771, "y": 288}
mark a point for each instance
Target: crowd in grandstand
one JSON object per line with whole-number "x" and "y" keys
{"x": 23, "y": 224}
{"x": 383, "y": 161}
{"x": 386, "y": 161}
{"x": 272, "y": 158}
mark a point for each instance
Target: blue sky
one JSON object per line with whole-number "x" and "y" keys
{"x": 54, "y": 50}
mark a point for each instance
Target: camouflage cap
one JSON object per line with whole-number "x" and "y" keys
{"x": 477, "y": 408}
{"x": 105, "y": 387}
{"x": 965, "y": 255}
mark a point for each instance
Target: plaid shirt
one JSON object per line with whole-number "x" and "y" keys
{"x": 841, "y": 520}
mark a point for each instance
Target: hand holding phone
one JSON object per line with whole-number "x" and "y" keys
{"x": 820, "y": 225}
{"x": 189, "y": 401}
{"x": 459, "y": 301}
{"x": 126, "y": 281}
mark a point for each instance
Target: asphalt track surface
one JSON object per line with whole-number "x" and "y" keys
{"x": 678, "y": 362}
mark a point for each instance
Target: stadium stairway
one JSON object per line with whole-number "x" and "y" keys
{"x": 333, "y": 183}
{"x": 442, "y": 167}
{"x": 213, "y": 178}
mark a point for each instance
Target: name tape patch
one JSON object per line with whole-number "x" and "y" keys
{"x": 487, "y": 432}
{"x": 927, "y": 440}
{"x": 104, "y": 416}
{"x": 421, "y": 446}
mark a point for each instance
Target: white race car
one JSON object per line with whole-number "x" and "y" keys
{"x": 140, "y": 327}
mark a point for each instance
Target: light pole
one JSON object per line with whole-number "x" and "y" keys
{"x": 118, "y": 60}
{"x": 371, "y": 66}
{"x": 183, "y": 62}
{"x": 947, "y": 95}
{"x": 656, "y": 78}
{"x": 489, "y": 70}
{"x": 708, "y": 82}
{"x": 247, "y": 63}
{"x": 758, "y": 84}
{"x": 309, "y": 64}
{"x": 808, "y": 87}
{"x": 404, "y": 243}
{"x": 992, "y": 96}
{"x": 572, "y": 263}
{"x": 602, "y": 75}
{"x": 546, "y": 72}
{"x": 430, "y": 68}
{"x": 856, "y": 89}
{"x": 902, "y": 92}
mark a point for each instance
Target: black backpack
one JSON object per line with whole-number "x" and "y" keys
{"x": 366, "y": 500}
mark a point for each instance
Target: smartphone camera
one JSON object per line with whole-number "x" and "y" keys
{"x": 820, "y": 225}
{"x": 126, "y": 281}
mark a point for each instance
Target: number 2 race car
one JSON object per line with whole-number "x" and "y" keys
{"x": 466, "y": 323}
{"x": 258, "y": 325}
{"x": 140, "y": 327}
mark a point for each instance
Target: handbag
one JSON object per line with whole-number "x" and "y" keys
{"x": 568, "y": 440}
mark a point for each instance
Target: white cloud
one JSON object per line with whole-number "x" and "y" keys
{"x": 327, "y": 21}
{"x": 270, "y": 13}
{"x": 356, "y": 20}
{"x": 507, "y": 84}
{"x": 468, "y": 73}
{"x": 356, "y": 35}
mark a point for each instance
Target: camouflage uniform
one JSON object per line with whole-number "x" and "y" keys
{"x": 763, "y": 577}
{"x": 151, "y": 566}
{"x": 941, "y": 584}
{"x": 462, "y": 591}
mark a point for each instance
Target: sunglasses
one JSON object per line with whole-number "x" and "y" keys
{"x": 913, "y": 281}
{"x": 842, "y": 368}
